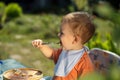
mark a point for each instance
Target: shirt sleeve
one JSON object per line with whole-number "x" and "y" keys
{"x": 55, "y": 55}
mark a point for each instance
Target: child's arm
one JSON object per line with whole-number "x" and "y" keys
{"x": 46, "y": 50}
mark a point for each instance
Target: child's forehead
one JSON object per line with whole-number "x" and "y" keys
{"x": 65, "y": 27}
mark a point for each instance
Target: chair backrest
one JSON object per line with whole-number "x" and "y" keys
{"x": 103, "y": 59}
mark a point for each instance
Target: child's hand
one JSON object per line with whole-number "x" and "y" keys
{"x": 46, "y": 50}
{"x": 37, "y": 43}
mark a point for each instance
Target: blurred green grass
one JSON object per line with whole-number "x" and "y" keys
{"x": 17, "y": 35}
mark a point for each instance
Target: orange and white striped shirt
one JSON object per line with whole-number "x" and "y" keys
{"x": 83, "y": 67}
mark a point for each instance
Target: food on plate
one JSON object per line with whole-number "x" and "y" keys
{"x": 23, "y": 74}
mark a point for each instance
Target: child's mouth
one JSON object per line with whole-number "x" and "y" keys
{"x": 60, "y": 43}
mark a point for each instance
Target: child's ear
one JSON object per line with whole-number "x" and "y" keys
{"x": 76, "y": 39}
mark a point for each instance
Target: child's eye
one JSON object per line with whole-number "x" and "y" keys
{"x": 61, "y": 33}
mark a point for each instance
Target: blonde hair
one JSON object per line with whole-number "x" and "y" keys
{"x": 81, "y": 25}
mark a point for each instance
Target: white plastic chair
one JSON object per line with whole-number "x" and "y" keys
{"x": 103, "y": 60}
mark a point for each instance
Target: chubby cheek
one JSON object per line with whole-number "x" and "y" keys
{"x": 65, "y": 43}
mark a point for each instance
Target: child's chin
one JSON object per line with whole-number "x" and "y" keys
{"x": 63, "y": 48}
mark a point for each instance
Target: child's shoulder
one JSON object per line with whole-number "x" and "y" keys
{"x": 85, "y": 60}
{"x": 56, "y": 54}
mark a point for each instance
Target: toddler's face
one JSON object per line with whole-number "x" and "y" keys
{"x": 66, "y": 37}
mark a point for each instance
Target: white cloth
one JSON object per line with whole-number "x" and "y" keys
{"x": 46, "y": 78}
{"x": 67, "y": 60}
{"x": 1, "y": 77}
